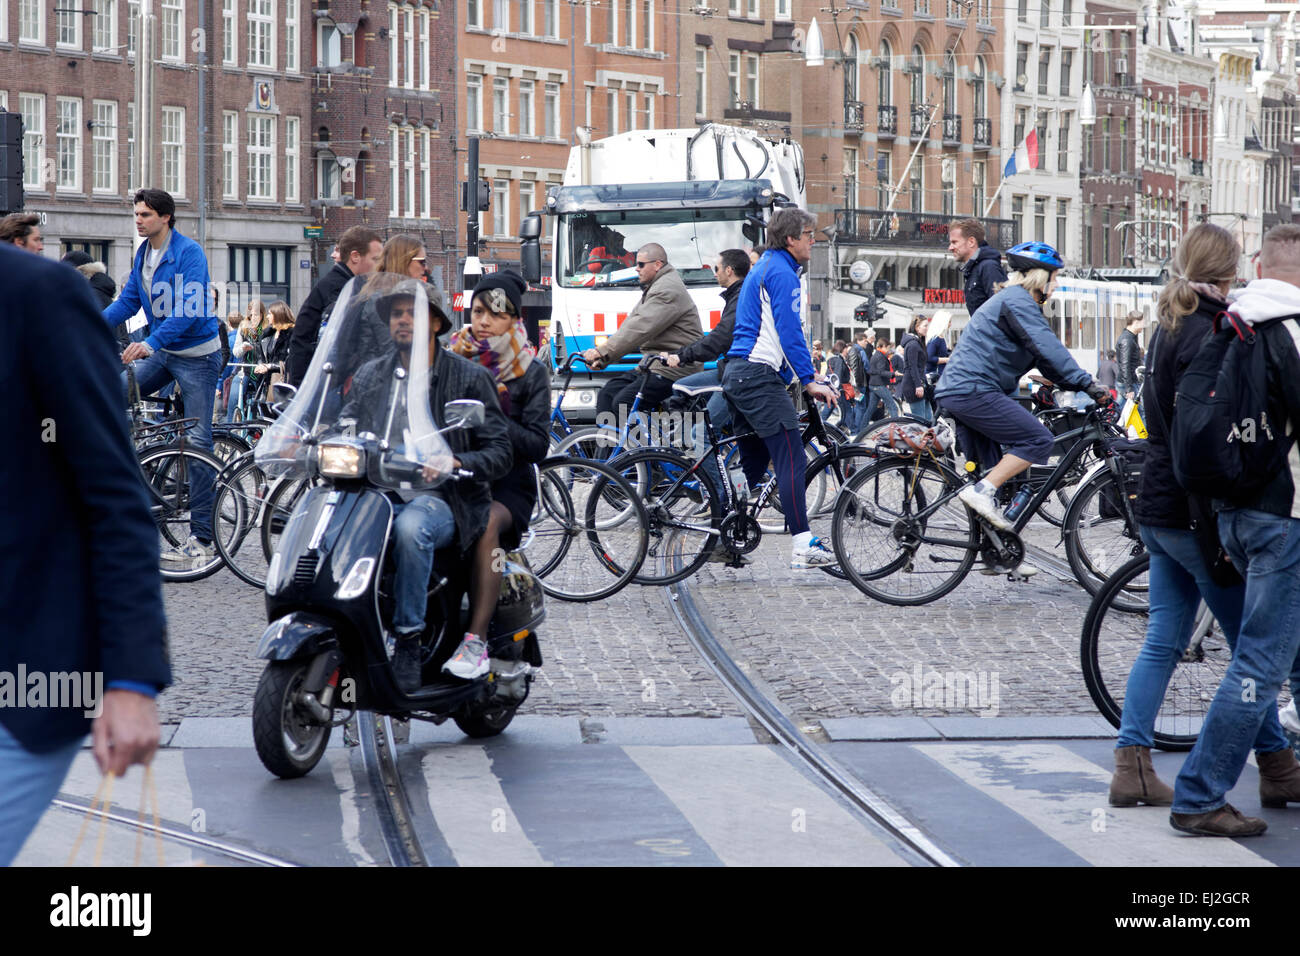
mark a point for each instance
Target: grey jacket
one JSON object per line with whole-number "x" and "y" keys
{"x": 665, "y": 320}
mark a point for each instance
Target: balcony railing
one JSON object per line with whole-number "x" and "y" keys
{"x": 853, "y": 116}
{"x": 913, "y": 230}
{"x": 886, "y": 120}
{"x": 920, "y": 121}
{"x": 952, "y": 127}
{"x": 983, "y": 132}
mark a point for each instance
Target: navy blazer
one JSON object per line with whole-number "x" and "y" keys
{"x": 80, "y": 589}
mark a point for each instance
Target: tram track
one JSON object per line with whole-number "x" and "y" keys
{"x": 396, "y": 822}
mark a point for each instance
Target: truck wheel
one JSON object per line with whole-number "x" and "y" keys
{"x": 288, "y": 740}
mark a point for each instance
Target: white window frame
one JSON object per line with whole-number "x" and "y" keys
{"x": 551, "y": 127}
{"x": 292, "y": 136}
{"x": 501, "y": 207}
{"x": 752, "y": 74}
{"x": 782, "y": 11}
{"x": 261, "y": 34}
{"x": 474, "y": 102}
{"x": 229, "y": 33}
{"x": 130, "y": 146}
{"x": 528, "y": 109}
{"x": 67, "y": 24}
{"x": 394, "y": 174}
{"x": 67, "y": 144}
{"x": 410, "y": 172}
{"x": 408, "y": 47}
{"x": 261, "y": 157}
{"x": 329, "y": 175}
{"x": 229, "y": 154}
{"x": 104, "y": 147}
{"x": 501, "y": 105}
{"x": 629, "y": 108}
{"x": 31, "y": 21}
{"x": 292, "y": 17}
{"x": 103, "y": 35}
{"x": 501, "y": 16}
{"x": 527, "y": 22}
{"x": 132, "y": 24}
{"x": 424, "y": 49}
{"x": 426, "y": 175}
{"x": 173, "y": 150}
{"x": 701, "y": 81}
{"x": 474, "y": 15}
{"x": 551, "y": 12}
{"x": 733, "y": 78}
{"x": 326, "y": 28}
{"x": 649, "y": 100}
{"x": 173, "y": 10}
{"x": 393, "y": 56}
{"x": 752, "y": 11}
{"x": 611, "y": 111}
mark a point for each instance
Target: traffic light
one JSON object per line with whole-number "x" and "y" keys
{"x": 484, "y": 195}
{"x": 11, "y": 162}
{"x": 866, "y": 311}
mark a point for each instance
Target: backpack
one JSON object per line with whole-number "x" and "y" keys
{"x": 1221, "y": 439}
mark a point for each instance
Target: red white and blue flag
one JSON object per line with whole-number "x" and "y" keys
{"x": 1025, "y": 157}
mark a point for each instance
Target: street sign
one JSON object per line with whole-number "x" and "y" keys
{"x": 313, "y": 232}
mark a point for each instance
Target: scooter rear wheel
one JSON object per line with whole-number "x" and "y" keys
{"x": 487, "y": 722}
{"x": 288, "y": 741}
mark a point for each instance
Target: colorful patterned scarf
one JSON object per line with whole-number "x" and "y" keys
{"x": 506, "y": 356}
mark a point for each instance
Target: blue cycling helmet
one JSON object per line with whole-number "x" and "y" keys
{"x": 1033, "y": 255}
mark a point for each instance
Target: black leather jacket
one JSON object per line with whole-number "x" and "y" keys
{"x": 1128, "y": 354}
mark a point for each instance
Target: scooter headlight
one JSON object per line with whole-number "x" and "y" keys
{"x": 341, "y": 460}
{"x": 358, "y": 577}
{"x": 273, "y": 581}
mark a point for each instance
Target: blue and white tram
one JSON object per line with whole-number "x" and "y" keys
{"x": 1088, "y": 315}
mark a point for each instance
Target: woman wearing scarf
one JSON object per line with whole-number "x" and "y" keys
{"x": 495, "y": 339}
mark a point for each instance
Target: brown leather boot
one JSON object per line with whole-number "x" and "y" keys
{"x": 1279, "y": 778}
{"x": 1227, "y": 821}
{"x": 1135, "y": 780}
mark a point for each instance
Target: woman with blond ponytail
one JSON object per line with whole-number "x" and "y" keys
{"x": 1205, "y": 266}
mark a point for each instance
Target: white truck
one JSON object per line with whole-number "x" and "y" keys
{"x": 696, "y": 192}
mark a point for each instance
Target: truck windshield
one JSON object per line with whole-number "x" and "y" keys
{"x": 598, "y": 249}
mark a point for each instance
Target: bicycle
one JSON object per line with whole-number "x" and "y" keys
{"x": 689, "y": 514}
{"x": 1114, "y": 631}
{"x": 901, "y": 535}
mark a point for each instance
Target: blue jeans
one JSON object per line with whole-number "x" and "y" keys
{"x": 719, "y": 415}
{"x": 196, "y": 377}
{"x": 850, "y": 415}
{"x": 236, "y": 396}
{"x": 1266, "y": 549}
{"x": 920, "y": 408}
{"x": 1178, "y": 580}
{"x": 30, "y": 783}
{"x": 422, "y": 527}
{"x": 881, "y": 395}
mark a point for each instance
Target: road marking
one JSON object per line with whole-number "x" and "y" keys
{"x": 754, "y": 809}
{"x": 1064, "y": 796}
{"x": 340, "y": 765}
{"x": 471, "y": 809}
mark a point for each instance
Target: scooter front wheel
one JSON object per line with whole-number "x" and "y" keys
{"x": 289, "y": 741}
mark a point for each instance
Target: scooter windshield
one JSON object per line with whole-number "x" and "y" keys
{"x": 364, "y": 405}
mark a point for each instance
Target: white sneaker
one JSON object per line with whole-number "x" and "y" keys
{"x": 1289, "y": 718}
{"x": 470, "y": 659}
{"x": 817, "y": 555}
{"x": 189, "y": 556}
{"x": 985, "y": 506}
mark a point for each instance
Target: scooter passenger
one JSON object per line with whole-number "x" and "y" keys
{"x": 496, "y": 339}
{"x": 453, "y": 511}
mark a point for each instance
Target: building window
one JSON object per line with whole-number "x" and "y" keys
{"x": 1040, "y": 220}
{"x": 611, "y": 111}
{"x": 948, "y": 187}
{"x": 701, "y": 80}
{"x": 733, "y": 77}
{"x": 173, "y": 30}
{"x": 410, "y": 173}
{"x": 501, "y": 16}
{"x": 526, "y": 108}
{"x": 918, "y": 187}
{"x": 1022, "y": 64}
{"x": 1063, "y": 144}
{"x": 501, "y": 105}
{"x": 979, "y": 89}
{"x": 884, "y": 177}
{"x": 918, "y": 78}
{"x": 68, "y": 143}
{"x": 132, "y": 19}
{"x": 629, "y": 109}
{"x": 173, "y": 150}
{"x": 474, "y": 14}
{"x": 1045, "y": 15}
{"x": 408, "y": 47}
{"x": 526, "y": 16}
{"x": 104, "y": 39}
{"x": 1067, "y": 60}
{"x": 751, "y": 81}
{"x": 229, "y": 33}
{"x": 291, "y": 37}
{"x": 1022, "y": 11}
{"x": 291, "y": 159}
{"x": 1044, "y": 69}
{"x": 551, "y": 110}
{"x": 31, "y": 21}
{"x": 1105, "y": 144}
{"x": 1020, "y": 127}
{"x": 782, "y": 10}
{"x": 551, "y": 18}
{"x": 1042, "y": 139}
{"x": 394, "y": 172}
{"x": 69, "y": 26}
{"x": 922, "y": 7}
{"x": 1123, "y": 144}
{"x": 649, "y": 110}
{"x": 426, "y": 175}
{"x": 1018, "y": 216}
{"x": 229, "y": 155}
{"x": 884, "y": 76}
{"x": 424, "y": 49}
{"x": 104, "y": 147}
{"x": 261, "y": 33}
{"x": 501, "y": 207}
{"x": 329, "y": 45}
{"x": 977, "y": 189}
{"x": 132, "y": 175}
{"x": 473, "y": 102}
{"x": 261, "y": 150}
{"x": 393, "y": 36}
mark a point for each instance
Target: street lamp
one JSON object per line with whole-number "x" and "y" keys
{"x": 1088, "y": 107}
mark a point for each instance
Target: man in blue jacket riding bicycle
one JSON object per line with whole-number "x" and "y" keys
{"x": 1006, "y": 337}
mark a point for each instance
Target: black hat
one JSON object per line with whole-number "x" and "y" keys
{"x": 77, "y": 258}
{"x": 510, "y": 283}
{"x": 406, "y": 290}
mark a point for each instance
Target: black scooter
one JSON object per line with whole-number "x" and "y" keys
{"x": 329, "y": 592}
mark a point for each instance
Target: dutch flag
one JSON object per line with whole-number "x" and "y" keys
{"x": 1025, "y": 157}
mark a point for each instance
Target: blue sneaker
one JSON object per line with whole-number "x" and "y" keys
{"x": 818, "y": 554}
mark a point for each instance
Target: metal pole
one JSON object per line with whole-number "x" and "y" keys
{"x": 202, "y": 237}
{"x": 472, "y": 267}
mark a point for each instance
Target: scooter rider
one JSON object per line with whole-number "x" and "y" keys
{"x": 453, "y": 511}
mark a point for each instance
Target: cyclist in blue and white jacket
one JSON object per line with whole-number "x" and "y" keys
{"x": 1006, "y": 337}
{"x": 768, "y": 350}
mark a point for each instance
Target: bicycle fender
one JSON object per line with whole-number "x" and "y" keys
{"x": 297, "y": 634}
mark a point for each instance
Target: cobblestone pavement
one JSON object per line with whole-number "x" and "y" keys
{"x": 822, "y": 647}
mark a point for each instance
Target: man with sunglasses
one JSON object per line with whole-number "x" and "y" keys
{"x": 665, "y": 320}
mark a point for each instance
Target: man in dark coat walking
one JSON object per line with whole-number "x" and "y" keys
{"x": 981, "y": 263}
{"x": 359, "y": 251}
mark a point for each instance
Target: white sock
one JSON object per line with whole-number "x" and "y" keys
{"x": 801, "y": 540}
{"x": 984, "y": 488}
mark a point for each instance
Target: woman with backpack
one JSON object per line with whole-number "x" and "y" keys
{"x": 1178, "y": 532}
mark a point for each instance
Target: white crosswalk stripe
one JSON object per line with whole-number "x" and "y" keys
{"x": 1028, "y": 779}
{"x": 472, "y": 811}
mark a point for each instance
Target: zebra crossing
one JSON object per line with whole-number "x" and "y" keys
{"x": 540, "y": 796}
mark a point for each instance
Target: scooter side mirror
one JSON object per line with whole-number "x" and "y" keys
{"x": 463, "y": 413}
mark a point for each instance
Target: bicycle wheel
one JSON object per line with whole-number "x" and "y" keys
{"x": 242, "y": 491}
{"x": 591, "y": 532}
{"x": 886, "y": 548}
{"x": 824, "y": 478}
{"x": 1112, "y": 638}
{"x": 590, "y": 441}
{"x": 1098, "y": 534}
{"x": 282, "y": 498}
{"x": 684, "y": 509}
{"x": 168, "y": 471}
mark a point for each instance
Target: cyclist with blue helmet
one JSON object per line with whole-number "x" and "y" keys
{"x": 1006, "y": 337}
